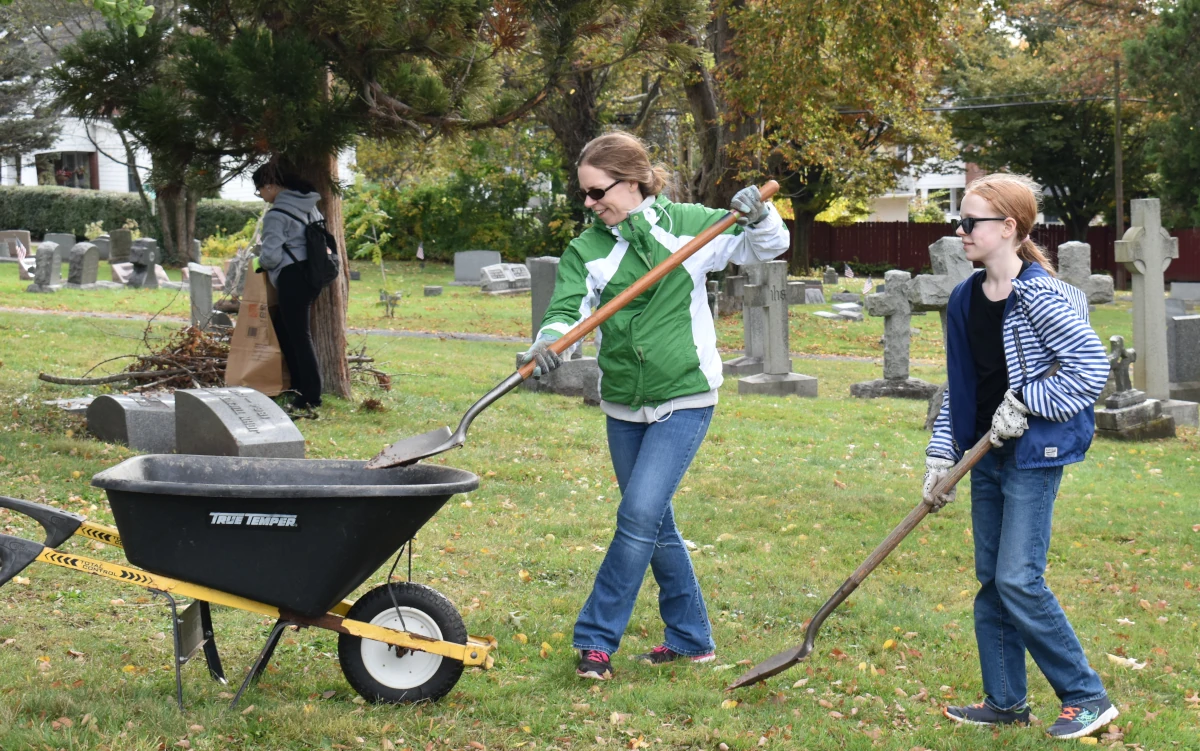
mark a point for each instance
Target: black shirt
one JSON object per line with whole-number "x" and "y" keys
{"x": 985, "y": 330}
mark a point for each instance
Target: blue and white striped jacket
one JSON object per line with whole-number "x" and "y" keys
{"x": 1045, "y": 322}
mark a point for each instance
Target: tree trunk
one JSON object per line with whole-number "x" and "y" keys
{"x": 168, "y": 202}
{"x": 802, "y": 230}
{"x": 329, "y": 311}
{"x": 177, "y": 224}
{"x": 573, "y": 114}
{"x": 717, "y": 178}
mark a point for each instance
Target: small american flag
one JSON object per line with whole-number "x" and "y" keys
{"x": 848, "y": 272}
{"x": 21, "y": 251}
{"x": 420, "y": 251}
{"x": 868, "y": 286}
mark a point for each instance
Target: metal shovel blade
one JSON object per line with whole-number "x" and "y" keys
{"x": 772, "y": 666}
{"x": 412, "y": 449}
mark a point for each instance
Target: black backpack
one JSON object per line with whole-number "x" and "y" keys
{"x": 322, "y": 267}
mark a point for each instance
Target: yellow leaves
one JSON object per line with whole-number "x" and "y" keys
{"x": 76, "y": 474}
{"x": 862, "y": 667}
{"x": 1089, "y": 741}
{"x": 21, "y": 580}
{"x": 939, "y": 607}
{"x": 521, "y": 638}
{"x": 1125, "y": 662}
{"x": 889, "y": 644}
{"x": 639, "y": 742}
{"x": 546, "y": 650}
{"x": 729, "y": 704}
{"x": 129, "y": 669}
{"x": 524, "y": 576}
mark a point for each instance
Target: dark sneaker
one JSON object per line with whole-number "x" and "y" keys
{"x": 594, "y": 664}
{"x": 982, "y": 714}
{"x": 663, "y": 654}
{"x": 1082, "y": 720}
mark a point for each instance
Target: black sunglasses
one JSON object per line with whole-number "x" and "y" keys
{"x": 597, "y": 193}
{"x": 968, "y": 222}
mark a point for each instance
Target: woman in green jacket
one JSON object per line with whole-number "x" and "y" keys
{"x": 660, "y": 372}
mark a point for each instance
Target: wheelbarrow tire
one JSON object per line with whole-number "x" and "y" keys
{"x": 375, "y": 671}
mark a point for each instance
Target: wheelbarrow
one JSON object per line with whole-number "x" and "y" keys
{"x": 284, "y": 538}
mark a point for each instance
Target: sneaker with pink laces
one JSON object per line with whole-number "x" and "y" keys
{"x": 663, "y": 654}
{"x": 594, "y": 664}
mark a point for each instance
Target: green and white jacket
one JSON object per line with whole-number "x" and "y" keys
{"x": 662, "y": 347}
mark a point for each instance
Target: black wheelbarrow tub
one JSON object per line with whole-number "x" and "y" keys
{"x": 299, "y": 534}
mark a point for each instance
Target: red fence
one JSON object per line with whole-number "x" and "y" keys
{"x": 904, "y": 245}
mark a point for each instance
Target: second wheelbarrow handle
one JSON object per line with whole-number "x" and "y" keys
{"x": 782, "y": 661}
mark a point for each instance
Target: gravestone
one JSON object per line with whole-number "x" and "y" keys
{"x": 1075, "y": 268}
{"x": 847, "y": 297}
{"x": 8, "y": 251}
{"x": 121, "y": 241}
{"x": 84, "y": 265}
{"x": 932, "y": 291}
{"x": 1187, "y": 291}
{"x": 576, "y": 377}
{"x": 768, "y": 291}
{"x": 121, "y": 272}
{"x": 46, "y": 277}
{"x": 831, "y": 275}
{"x": 18, "y": 236}
{"x": 543, "y": 274}
{"x": 1128, "y": 415}
{"x": 896, "y": 309}
{"x": 25, "y": 268}
{"x": 237, "y": 268}
{"x": 200, "y": 292}
{"x": 504, "y": 279}
{"x": 814, "y": 296}
{"x": 234, "y": 421}
{"x": 432, "y": 290}
{"x": 195, "y": 251}
{"x": 141, "y": 422}
{"x": 1147, "y": 250}
{"x": 754, "y": 324}
{"x": 730, "y": 299}
{"x": 355, "y": 276}
{"x": 64, "y": 240}
{"x": 103, "y": 244}
{"x": 218, "y": 276}
{"x": 1183, "y": 357}
{"x": 469, "y": 263}
{"x": 144, "y": 256}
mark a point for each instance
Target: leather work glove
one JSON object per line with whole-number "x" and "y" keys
{"x": 749, "y": 205}
{"x": 1010, "y": 420}
{"x": 937, "y": 468}
{"x": 541, "y": 353}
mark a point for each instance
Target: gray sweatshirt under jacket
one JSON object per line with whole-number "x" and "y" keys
{"x": 279, "y": 229}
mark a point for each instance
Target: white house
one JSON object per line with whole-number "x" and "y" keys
{"x": 91, "y": 156}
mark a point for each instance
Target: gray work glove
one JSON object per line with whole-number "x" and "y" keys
{"x": 749, "y": 205}
{"x": 936, "y": 469}
{"x": 541, "y": 353}
{"x": 1010, "y": 420}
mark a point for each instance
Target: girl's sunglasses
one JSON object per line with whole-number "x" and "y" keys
{"x": 968, "y": 223}
{"x": 597, "y": 193}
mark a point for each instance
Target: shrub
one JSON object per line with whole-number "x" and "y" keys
{"x": 45, "y": 209}
{"x": 221, "y": 245}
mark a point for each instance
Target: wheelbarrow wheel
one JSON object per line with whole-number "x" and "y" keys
{"x": 382, "y": 673}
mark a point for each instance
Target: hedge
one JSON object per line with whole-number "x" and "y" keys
{"x": 45, "y": 209}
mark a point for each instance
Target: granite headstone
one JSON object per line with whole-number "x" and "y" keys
{"x": 234, "y": 421}
{"x": 121, "y": 241}
{"x": 84, "y": 265}
{"x": 143, "y": 423}
{"x": 469, "y": 263}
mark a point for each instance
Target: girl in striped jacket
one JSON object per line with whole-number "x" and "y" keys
{"x": 1023, "y": 363}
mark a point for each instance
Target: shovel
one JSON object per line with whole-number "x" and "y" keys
{"x": 435, "y": 442}
{"x": 784, "y": 660}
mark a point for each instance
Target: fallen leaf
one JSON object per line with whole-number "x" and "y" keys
{"x": 1089, "y": 741}
{"x": 1145, "y": 605}
{"x": 183, "y": 743}
{"x": 328, "y": 694}
{"x": 729, "y": 704}
{"x": 800, "y": 683}
{"x": 62, "y": 722}
{"x": 836, "y": 715}
{"x": 617, "y": 718}
{"x": 21, "y": 579}
{"x": 248, "y": 709}
{"x": 825, "y": 703}
{"x": 889, "y": 644}
{"x": 1125, "y": 622}
{"x": 196, "y": 728}
{"x": 521, "y": 638}
{"x": 1126, "y": 662}
{"x": 524, "y": 576}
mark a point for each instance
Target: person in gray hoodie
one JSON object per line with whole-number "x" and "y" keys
{"x": 283, "y": 255}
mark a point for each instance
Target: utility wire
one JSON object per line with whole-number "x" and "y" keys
{"x": 998, "y": 105}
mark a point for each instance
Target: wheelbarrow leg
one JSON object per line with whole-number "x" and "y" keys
{"x": 210, "y": 645}
{"x": 176, "y": 640}
{"x": 263, "y": 658}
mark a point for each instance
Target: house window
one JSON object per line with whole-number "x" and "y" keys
{"x": 70, "y": 169}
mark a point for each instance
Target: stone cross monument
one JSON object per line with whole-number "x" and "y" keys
{"x": 893, "y": 304}
{"x": 754, "y": 322}
{"x": 1075, "y": 268}
{"x": 1146, "y": 250}
{"x": 950, "y": 266}
{"x": 767, "y": 290}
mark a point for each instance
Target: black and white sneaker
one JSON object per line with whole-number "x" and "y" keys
{"x": 1082, "y": 720}
{"x": 594, "y": 664}
{"x": 982, "y": 714}
{"x": 663, "y": 654}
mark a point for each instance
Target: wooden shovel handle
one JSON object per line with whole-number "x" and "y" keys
{"x": 652, "y": 277}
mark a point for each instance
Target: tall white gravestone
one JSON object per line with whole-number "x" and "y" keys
{"x": 894, "y": 306}
{"x": 768, "y": 289}
{"x": 200, "y": 289}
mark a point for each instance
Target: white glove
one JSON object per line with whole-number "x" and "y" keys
{"x": 937, "y": 468}
{"x": 546, "y": 358}
{"x": 749, "y": 205}
{"x": 1010, "y": 420}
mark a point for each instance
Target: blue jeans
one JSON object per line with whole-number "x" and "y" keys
{"x": 650, "y": 460}
{"x": 1014, "y": 610}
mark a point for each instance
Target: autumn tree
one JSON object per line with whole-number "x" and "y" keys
{"x": 829, "y": 99}
{"x": 1064, "y": 139}
{"x": 1164, "y": 64}
{"x": 29, "y": 121}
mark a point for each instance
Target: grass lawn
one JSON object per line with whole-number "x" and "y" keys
{"x": 784, "y": 500}
{"x": 466, "y": 310}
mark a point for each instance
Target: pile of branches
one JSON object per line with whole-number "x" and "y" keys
{"x": 189, "y": 359}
